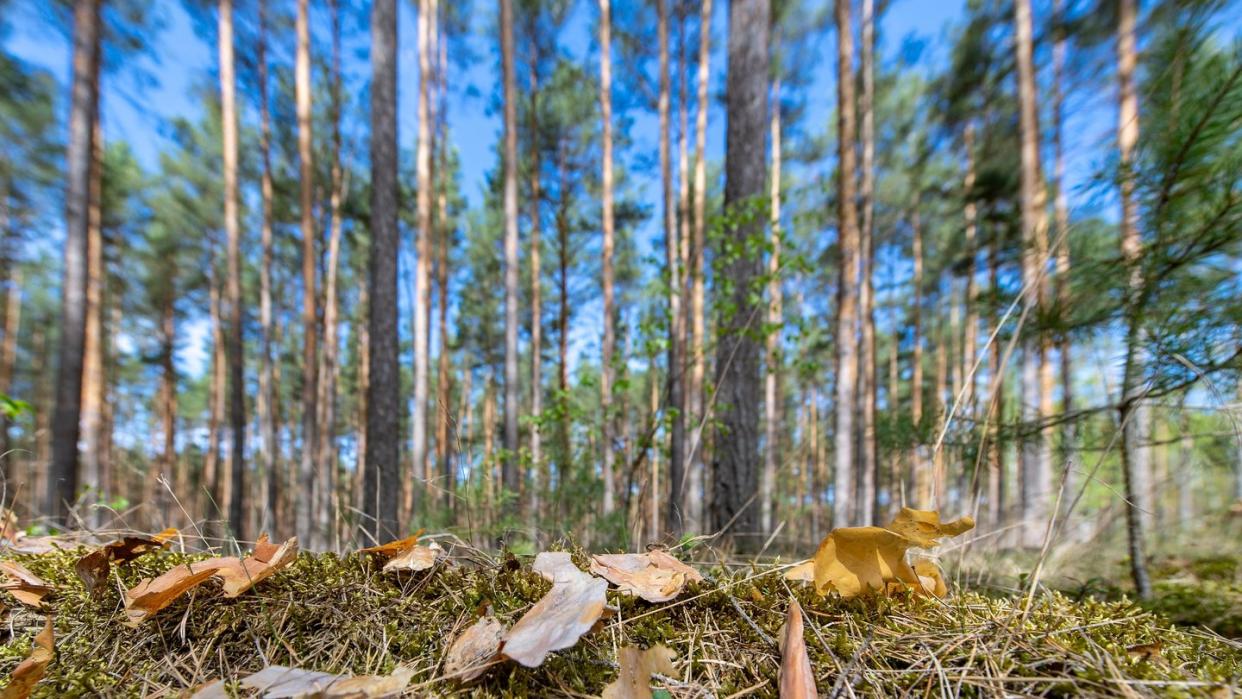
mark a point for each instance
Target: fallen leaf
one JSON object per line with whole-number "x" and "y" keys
{"x": 654, "y": 576}
{"x": 797, "y": 678}
{"x": 41, "y": 544}
{"x": 153, "y": 594}
{"x": 93, "y": 568}
{"x": 637, "y": 667}
{"x": 280, "y": 682}
{"x": 28, "y": 673}
{"x": 470, "y": 653}
{"x": 393, "y": 548}
{"x": 267, "y": 559}
{"x": 804, "y": 571}
{"x": 28, "y": 588}
{"x": 368, "y": 686}
{"x": 415, "y": 558}
{"x": 566, "y": 612}
{"x": 924, "y": 528}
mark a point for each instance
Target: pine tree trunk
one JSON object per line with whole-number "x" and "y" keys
{"x": 1186, "y": 476}
{"x": 1134, "y": 462}
{"x": 676, "y": 331}
{"x": 997, "y": 491}
{"x": 381, "y": 483}
{"x": 696, "y": 494}
{"x": 565, "y": 460}
{"x": 510, "y": 465}
{"x": 214, "y": 484}
{"x": 537, "y": 466}
{"x": 169, "y": 465}
{"x": 920, "y": 479}
{"x": 236, "y": 382}
{"x": 363, "y": 392}
{"x": 771, "y": 380}
{"x": 866, "y": 492}
{"x": 310, "y": 356}
{"x": 422, "y": 265}
{"x": 1069, "y": 431}
{"x": 8, "y": 349}
{"x": 609, "y": 340}
{"x": 62, "y": 485}
{"x": 736, "y": 460}
{"x": 93, "y": 379}
{"x": 681, "y": 376}
{"x": 970, "y": 335}
{"x": 444, "y": 386}
{"x": 269, "y": 447}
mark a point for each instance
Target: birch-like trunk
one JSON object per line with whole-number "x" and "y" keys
{"x": 310, "y": 356}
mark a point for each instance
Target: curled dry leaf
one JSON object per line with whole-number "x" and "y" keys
{"x": 93, "y": 568}
{"x": 856, "y": 560}
{"x": 415, "y": 558}
{"x": 267, "y": 559}
{"x": 28, "y": 673}
{"x": 797, "y": 678}
{"x": 655, "y": 576}
{"x": 28, "y": 588}
{"x": 153, "y": 594}
{"x": 469, "y": 655}
{"x": 280, "y": 682}
{"x": 570, "y": 609}
{"x": 392, "y": 549}
{"x": 637, "y": 667}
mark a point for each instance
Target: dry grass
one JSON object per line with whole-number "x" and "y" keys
{"x": 337, "y": 614}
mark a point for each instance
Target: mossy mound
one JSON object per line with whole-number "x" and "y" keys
{"x": 340, "y": 615}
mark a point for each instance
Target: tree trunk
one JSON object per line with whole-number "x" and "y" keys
{"x": 1134, "y": 463}
{"x": 214, "y": 482}
{"x": 269, "y": 447}
{"x": 771, "y": 381}
{"x": 919, "y": 477}
{"x": 422, "y": 265}
{"x": 696, "y": 494}
{"x": 364, "y": 394}
{"x": 843, "y": 511}
{"x": 676, "y": 330}
{"x": 1186, "y": 476}
{"x": 866, "y": 491}
{"x": 310, "y": 356}
{"x": 325, "y": 495}
{"x": 1069, "y": 431}
{"x": 62, "y": 486}
{"x": 996, "y": 401}
{"x": 444, "y": 387}
{"x": 8, "y": 350}
{"x": 93, "y": 379}
{"x": 736, "y": 460}
{"x": 562, "y": 324}
{"x": 381, "y": 484}
{"x": 168, "y": 405}
{"x": 236, "y": 382}
{"x": 536, "y": 297}
{"x": 510, "y": 465}
{"x": 1036, "y": 457}
{"x": 679, "y": 372}
{"x": 970, "y": 336}
{"x": 605, "y": 383}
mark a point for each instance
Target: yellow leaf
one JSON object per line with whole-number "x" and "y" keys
{"x": 393, "y": 548}
{"x": 654, "y": 576}
{"x": 924, "y": 528}
{"x": 470, "y": 654}
{"x": 561, "y": 617}
{"x": 797, "y": 678}
{"x": 28, "y": 588}
{"x": 267, "y": 559}
{"x": 637, "y": 667}
{"x": 28, "y": 673}
{"x": 153, "y": 594}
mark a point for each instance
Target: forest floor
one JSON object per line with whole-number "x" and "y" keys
{"x": 341, "y": 614}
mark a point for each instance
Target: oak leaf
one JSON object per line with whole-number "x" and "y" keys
{"x": 93, "y": 568}
{"x": 267, "y": 559}
{"x": 797, "y": 678}
{"x": 28, "y": 673}
{"x": 637, "y": 667}
{"x": 561, "y": 617}
{"x": 28, "y": 588}
{"x": 472, "y": 652}
{"x": 655, "y": 576}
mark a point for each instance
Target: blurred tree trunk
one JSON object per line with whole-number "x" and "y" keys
{"x": 1069, "y": 430}
{"x": 325, "y": 495}
{"x": 444, "y": 386}
{"x": 8, "y": 350}
{"x": 971, "y": 333}
{"x": 93, "y": 379}
{"x": 214, "y": 485}
{"x": 511, "y": 476}
{"x": 677, "y": 513}
{"x": 310, "y": 355}
{"x": 62, "y": 483}
{"x": 1134, "y": 434}
{"x": 609, "y": 341}
{"x": 771, "y": 381}
{"x": 169, "y": 463}
{"x": 563, "y": 213}
{"x": 939, "y": 480}
{"x": 920, "y": 481}
{"x": 364, "y": 393}
{"x": 866, "y": 492}
{"x": 236, "y": 347}
{"x": 844, "y": 512}
{"x": 420, "y": 480}
{"x": 696, "y": 494}
{"x": 536, "y": 294}
{"x": 996, "y": 399}
{"x": 896, "y": 483}
{"x": 381, "y": 484}
{"x": 1186, "y": 473}
{"x": 676, "y": 329}
{"x": 735, "y": 463}
{"x": 269, "y": 447}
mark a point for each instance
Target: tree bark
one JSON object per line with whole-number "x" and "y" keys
{"x": 1069, "y": 431}
{"x": 510, "y": 464}
{"x": 997, "y": 491}
{"x": 609, "y": 340}
{"x": 310, "y": 356}
{"x": 672, "y": 243}
{"x": 444, "y": 386}
{"x": 236, "y": 382}
{"x": 920, "y": 478}
{"x": 772, "y": 379}
{"x": 93, "y": 378}
{"x": 677, "y": 519}
{"x": 8, "y": 350}
{"x": 1036, "y": 457}
{"x": 62, "y": 483}
{"x": 269, "y": 447}
{"x": 696, "y": 493}
{"x": 562, "y": 323}
{"x": 1134, "y": 463}
{"x": 214, "y": 482}
{"x": 736, "y": 460}
{"x": 867, "y": 491}
{"x": 536, "y": 296}
{"x": 168, "y": 403}
{"x": 381, "y": 485}
{"x": 970, "y": 334}
{"x": 422, "y": 265}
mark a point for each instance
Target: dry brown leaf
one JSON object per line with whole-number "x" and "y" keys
{"x": 415, "y": 558}
{"x": 804, "y": 571}
{"x": 637, "y": 667}
{"x": 654, "y": 576}
{"x": 93, "y": 568}
{"x": 470, "y": 653}
{"x": 267, "y": 559}
{"x": 153, "y": 594}
{"x": 28, "y": 588}
{"x": 797, "y": 678}
{"x": 28, "y": 673}
{"x": 924, "y": 528}
{"x": 393, "y": 548}
{"x": 280, "y": 682}
{"x": 557, "y": 621}
{"x": 369, "y": 686}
